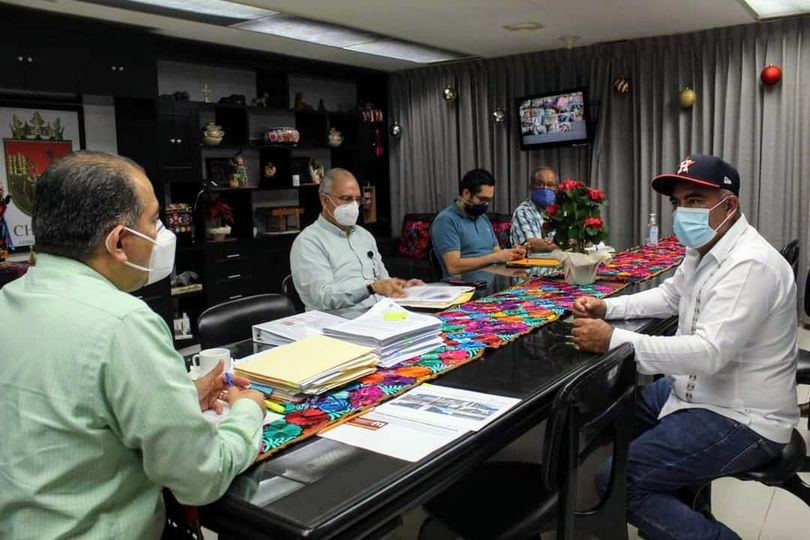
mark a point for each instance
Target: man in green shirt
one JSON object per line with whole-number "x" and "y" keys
{"x": 97, "y": 411}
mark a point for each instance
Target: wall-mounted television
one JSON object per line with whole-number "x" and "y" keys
{"x": 552, "y": 119}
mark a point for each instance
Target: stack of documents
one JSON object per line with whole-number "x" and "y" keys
{"x": 435, "y": 296}
{"x": 307, "y": 367}
{"x": 293, "y": 328}
{"x": 394, "y": 333}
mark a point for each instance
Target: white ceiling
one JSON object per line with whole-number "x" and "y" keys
{"x": 473, "y": 27}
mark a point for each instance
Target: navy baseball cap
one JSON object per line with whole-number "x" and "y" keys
{"x": 710, "y": 171}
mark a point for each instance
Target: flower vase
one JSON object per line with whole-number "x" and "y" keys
{"x": 580, "y": 268}
{"x": 217, "y": 233}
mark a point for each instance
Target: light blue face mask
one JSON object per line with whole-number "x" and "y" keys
{"x": 691, "y": 225}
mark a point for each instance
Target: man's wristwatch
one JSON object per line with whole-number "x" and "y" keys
{"x": 370, "y": 288}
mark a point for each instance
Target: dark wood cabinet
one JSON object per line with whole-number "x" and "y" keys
{"x": 178, "y": 141}
{"x": 127, "y": 69}
{"x": 44, "y": 53}
{"x": 79, "y": 57}
{"x": 43, "y": 64}
{"x": 229, "y": 270}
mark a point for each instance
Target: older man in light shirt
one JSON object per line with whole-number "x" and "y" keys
{"x": 527, "y": 219}
{"x": 97, "y": 410}
{"x": 336, "y": 267}
{"x": 728, "y": 401}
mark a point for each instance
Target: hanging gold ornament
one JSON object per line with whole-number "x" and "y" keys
{"x": 687, "y": 97}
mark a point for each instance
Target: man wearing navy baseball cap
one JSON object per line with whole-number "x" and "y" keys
{"x": 727, "y": 403}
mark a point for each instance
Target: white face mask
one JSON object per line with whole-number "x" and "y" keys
{"x": 346, "y": 214}
{"x": 161, "y": 261}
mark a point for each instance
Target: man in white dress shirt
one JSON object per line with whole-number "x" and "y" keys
{"x": 727, "y": 403}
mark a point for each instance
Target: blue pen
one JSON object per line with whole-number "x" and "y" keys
{"x": 229, "y": 379}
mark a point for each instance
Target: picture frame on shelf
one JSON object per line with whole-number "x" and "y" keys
{"x": 219, "y": 170}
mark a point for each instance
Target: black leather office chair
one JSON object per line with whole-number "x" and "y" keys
{"x": 790, "y": 252}
{"x": 505, "y": 500}
{"x": 231, "y": 321}
{"x": 435, "y": 266}
{"x": 288, "y": 288}
{"x": 803, "y": 369}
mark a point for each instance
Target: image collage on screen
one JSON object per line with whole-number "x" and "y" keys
{"x": 553, "y": 118}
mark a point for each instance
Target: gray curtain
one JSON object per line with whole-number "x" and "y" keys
{"x": 763, "y": 131}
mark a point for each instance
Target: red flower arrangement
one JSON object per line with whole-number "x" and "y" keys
{"x": 576, "y": 216}
{"x": 220, "y": 213}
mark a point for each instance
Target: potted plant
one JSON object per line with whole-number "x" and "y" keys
{"x": 576, "y": 221}
{"x": 219, "y": 219}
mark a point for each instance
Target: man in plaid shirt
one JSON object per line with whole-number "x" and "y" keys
{"x": 527, "y": 221}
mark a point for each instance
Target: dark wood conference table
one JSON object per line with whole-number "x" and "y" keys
{"x": 321, "y": 488}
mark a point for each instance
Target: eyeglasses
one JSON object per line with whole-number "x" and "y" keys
{"x": 348, "y": 199}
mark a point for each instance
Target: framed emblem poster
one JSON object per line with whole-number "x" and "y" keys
{"x": 33, "y": 137}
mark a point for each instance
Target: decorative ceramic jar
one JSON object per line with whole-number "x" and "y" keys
{"x": 269, "y": 170}
{"x": 213, "y": 134}
{"x": 282, "y": 135}
{"x": 334, "y": 137}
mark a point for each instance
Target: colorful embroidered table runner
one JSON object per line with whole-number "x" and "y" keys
{"x": 467, "y": 330}
{"x": 643, "y": 262}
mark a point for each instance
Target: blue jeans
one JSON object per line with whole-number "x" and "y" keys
{"x": 686, "y": 448}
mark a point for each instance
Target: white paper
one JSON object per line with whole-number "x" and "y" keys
{"x": 295, "y": 327}
{"x": 396, "y": 356}
{"x": 447, "y": 407}
{"x": 432, "y": 293}
{"x": 374, "y": 327}
{"x": 401, "y": 438}
{"x": 212, "y": 416}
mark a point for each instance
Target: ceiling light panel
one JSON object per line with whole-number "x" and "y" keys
{"x": 402, "y": 50}
{"x": 307, "y": 30}
{"x": 215, "y": 8}
{"x": 767, "y": 9}
{"x": 527, "y": 26}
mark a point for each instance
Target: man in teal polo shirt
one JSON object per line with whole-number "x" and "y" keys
{"x": 462, "y": 234}
{"x": 97, "y": 411}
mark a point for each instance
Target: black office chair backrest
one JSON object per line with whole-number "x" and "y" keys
{"x": 232, "y": 321}
{"x": 599, "y": 402}
{"x": 790, "y": 252}
{"x": 288, "y": 288}
{"x": 435, "y": 266}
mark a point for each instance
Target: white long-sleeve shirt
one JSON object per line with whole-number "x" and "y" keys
{"x": 735, "y": 349}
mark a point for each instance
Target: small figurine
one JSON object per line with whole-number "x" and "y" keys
{"x": 316, "y": 172}
{"x": 300, "y": 104}
{"x": 261, "y": 101}
{"x": 206, "y": 92}
{"x": 239, "y": 178}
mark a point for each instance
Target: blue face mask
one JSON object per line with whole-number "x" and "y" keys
{"x": 691, "y": 225}
{"x": 543, "y": 197}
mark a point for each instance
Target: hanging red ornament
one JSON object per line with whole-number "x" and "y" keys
{"x": 771, "y": 75}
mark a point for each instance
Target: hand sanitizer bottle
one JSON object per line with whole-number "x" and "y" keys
{"x": 652, "y": 231}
